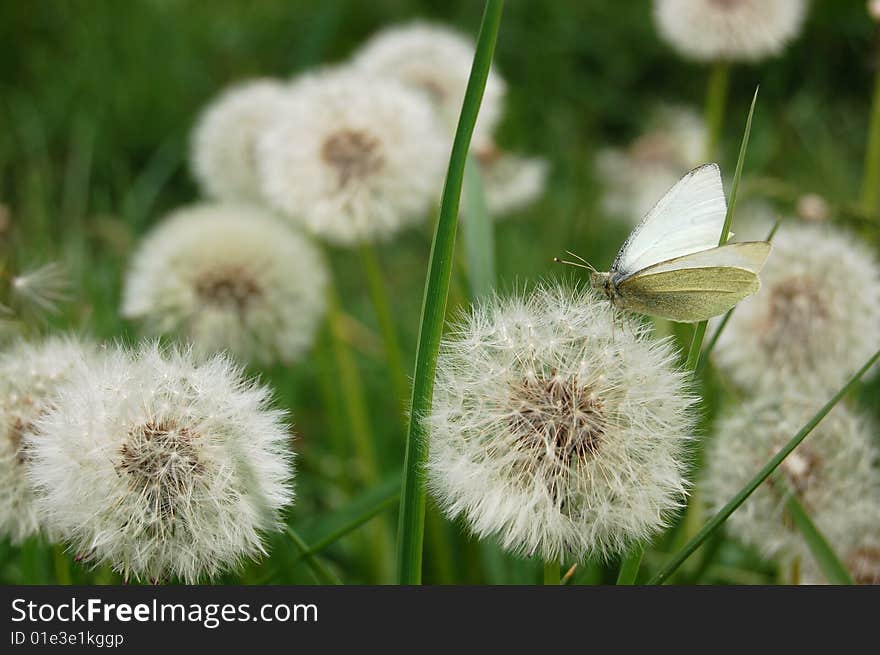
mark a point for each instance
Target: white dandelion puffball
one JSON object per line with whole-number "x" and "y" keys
{"x": 161, "y": 465}
{"x": 636, "y": 177}
{"x": 436, "y": 61}
{"x": 224, "y": 141}
{"x": 355, "y": 159}
{"x": 229, "y": 277}
{"x": 29, "y": 376}
{"x": 873, "y": 7}
{"x": 557, "y": 428}
{"x": 833, "y": 469}
{"x": 729, "y": 30}
{"x": 816, "y": 318}
{"x": 511, "y": 182}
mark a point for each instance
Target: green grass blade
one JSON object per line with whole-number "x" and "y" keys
{"x": 355, "y": 514}
{"x": 716, "y": 521}
{"x": 629, "y": 567}
{"x": 693, "y": 357}
{"x": 821, "y": 550}
{"x": 411, "y": 530}
{"x": 478, "y": 234}
{"x": 552, "y": 573}
{"x": 321, "y": 571}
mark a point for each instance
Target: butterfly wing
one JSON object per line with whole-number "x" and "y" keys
{"x": 688, "y": 219}
{"x": 698, "y": 286}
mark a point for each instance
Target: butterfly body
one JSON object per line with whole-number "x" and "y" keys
{"x": 672, "y": 266}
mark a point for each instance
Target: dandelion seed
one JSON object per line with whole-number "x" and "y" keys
{"x": 229, "y": 277}
{"x": 830, "y": 472}
{"x": 224, "y": 141}
{"x": 29, "y": 376}
{"x": 162, "y": 465}
{"x": 436, "y": 61}
{"x": 355, "y": 158}
{"x": 556, "y": 432}
{"x": 511, "y": 182}
{"x": 816, "y": 318}
{"x": 42, "y": 289}
{"x": 729, "y": 30}
{"x": 634, "y": 178}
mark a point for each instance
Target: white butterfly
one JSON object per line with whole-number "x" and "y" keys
{"x": 671, "y": 265}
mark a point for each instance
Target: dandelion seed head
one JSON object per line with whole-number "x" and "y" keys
{"x": 229, "y": 277}
{"x": 224, "y": 141}
{"x": 636, "y": 177}
{"x": 355, "y": 158}
{"x": 555, "y": 432}
{"x": 831, "y": 471}
{"x": 511, "y": 182}
{"x": 29, "y": 376}
{"x": 161, "y": 464}
{"x": 816, "y": 318}
{"x": 729, "y": 30}
{"x": 854, "y": 535}
{"x": 436, "y": 61}
{"x": 873, "y": 7}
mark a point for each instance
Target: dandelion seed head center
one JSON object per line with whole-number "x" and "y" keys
{"x": 228, "y": 286}
{"x": 354, "y": 154}
{"x": 559, "y": 418}
{"x": 728, "y": 5}
{"x": 161, "y": 463}
{"x": 801, "y": 468}
{"x": 864, "y": 565}
{"x": 795, "y": 306}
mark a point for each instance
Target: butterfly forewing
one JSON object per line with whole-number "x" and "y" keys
{"x": 688, "y": 219}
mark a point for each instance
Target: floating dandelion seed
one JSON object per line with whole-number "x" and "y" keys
{"x": 161, "y": 465}
{"x": 355, "y": 158}
{"x": 634, "y": 178}
{"x": 510, "y": 181}
{"x": 729, "y": 30}
{"x": 815, "y": 319}
{"x": 555, "y": 431}
{"x": 224, "y": 141}
{"x": 42, "y": 289}
{"x": 229, "y": 277}
{"x": 29, "y": 376}
{"x": 436, "y": 61}
{"x": 831, "y": 471}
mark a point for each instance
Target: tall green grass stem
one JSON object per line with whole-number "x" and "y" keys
{"x": 871, "y": 175}
{"x": 411, "y": 530}
{"x": 552, "y": 573}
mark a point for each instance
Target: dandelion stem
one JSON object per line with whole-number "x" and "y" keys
{"x": 724, "y": 513}
{"x": 629, "y": 567}
{"x": 716, "y": 99}
{"x": 821, "y": 550}
{"x": 552, "y": 573}
{"x": 379, "y": 297}
{"x": 411, "y": 530}
{"x": 871, "y": 179}
{"x": 478, "y": 233}
{"x": 320, "y": 570}
{"x": 355, "y": 404}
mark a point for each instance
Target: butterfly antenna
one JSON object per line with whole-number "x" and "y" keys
{"x": 581, "y": 263}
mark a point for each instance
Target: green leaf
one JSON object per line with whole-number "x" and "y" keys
{"x": 629, "y": 567}
{"x": 825, "y": 556}
{"x": 411, "y": 529}
{"x": 478, "y": 233}
{"x": 724, "y": 513}
{"x": 352, "y": 516}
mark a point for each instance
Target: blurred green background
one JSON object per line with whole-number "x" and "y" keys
{"x": 97, "y": 99}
